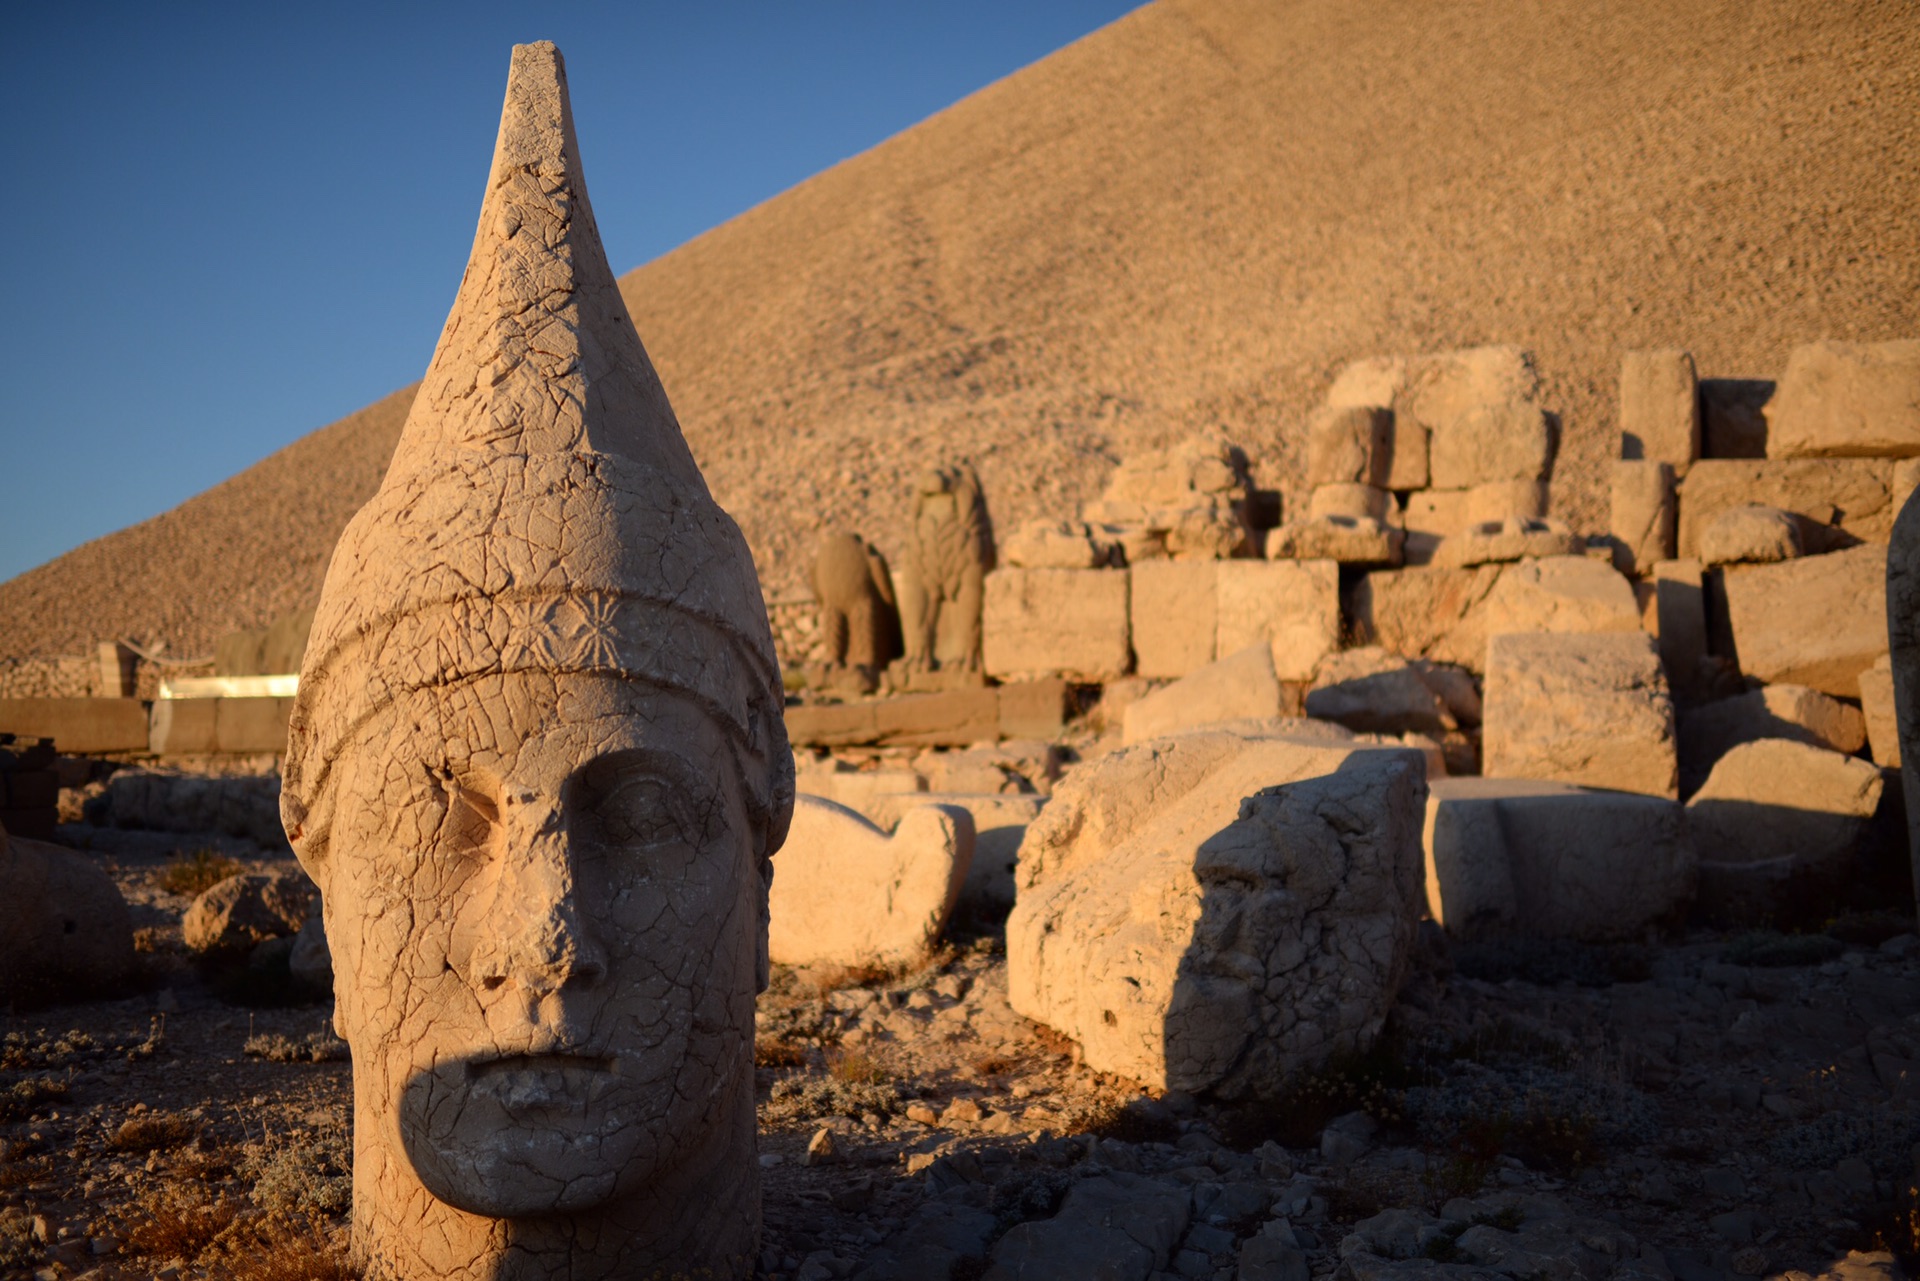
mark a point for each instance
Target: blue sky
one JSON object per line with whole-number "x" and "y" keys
{"x": 225, "y": 225}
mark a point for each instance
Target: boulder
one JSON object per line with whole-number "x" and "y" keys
{"x": 1350, "y": 444}
{"x": 1585, "y": 708}
{"x": 1777, "y": 825}
{"x": 1118, "y": 1227}
{"x": 1847, "y": 400}
{"x": 1373, "y": 691}
{"x": 1840, "y": 498}
{"x": 1000, "y": 821}
{"x": 1751, "y": 534}
{"x": 1818, "y": 621}
{"x": 1561, "y": 594}
{"x": 1345, "y": 540}
{"x": 65, "y": 931}
{"x": 1240, "y": 686}
{"x": 1529, "y": 857}
{"x": 1794, "y": 712}
{"x": 846, "y": 893}
{"x": 1047, "y": 622}
{"x": 1173, "y": 615}
{"x": 1292, "y": 605}
{"x": 1877, "y": 712}
{"x": 1490, "y": 442}
{"x": 1514, "y": 538}
{"x": 1660, "y": 409}
{"x": 1643, "y": 515}
{"x": 243, "y": 911}
{"x": 1220, "y": 912}
{"x": 1427, "y": 612}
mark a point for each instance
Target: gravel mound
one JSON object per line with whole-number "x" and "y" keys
{"x": 1192, "y": 218}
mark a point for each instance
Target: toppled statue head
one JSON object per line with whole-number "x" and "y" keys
{"x": 538, "y": 769}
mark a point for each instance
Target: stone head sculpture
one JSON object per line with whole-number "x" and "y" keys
{"x": 537, "y": 767}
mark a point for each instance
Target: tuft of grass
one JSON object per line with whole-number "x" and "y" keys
{"x": 23, "y": 1098}
{"x": 834, "y": 978}
{"x": 194, "y": 874}
{"x": 177, "y": 1221}
{"x": 314, "y": 1047}
{"x": 855, "y": 1068}
{"x": 156, "y": 1130}
{"x": 778, "y": 1052}
{"x": 806, "y": 1096}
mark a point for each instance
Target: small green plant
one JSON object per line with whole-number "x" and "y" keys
{"x": 196, "y": 873}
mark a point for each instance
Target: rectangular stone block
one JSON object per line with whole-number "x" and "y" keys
{"x": 1533, "y": 858}
{"x": 1491, "y": 442}
{"x": 953, "y": 718}
{"x": 1660, "y": 409}
{"x": 1643, "y": 515}
{"x": 251, "y": 725}
{"x": 1035, "y": 709}
{"x": 1349, "y": 445}
{"x": 831, "y": 725}
{"x": 1057, "y": 622}
{"x": 1852, "y": 494}
{"x": 1584, "y": 708}
{"x": 78, "y": 726}
{"x": 1293, "y": 605}
{"x": 1427, "y": 612}
{"x": 1561, "y": 594}
{"x": 184, "y": 727}
{"x": 1847, "y": 400}
{"x": 1173, "y": 616}
{"x": 1818, "y": 621}
{"x": 1876, "y": 705}
{"x": 1680, "y": 609}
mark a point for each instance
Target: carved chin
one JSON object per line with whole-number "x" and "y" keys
{"x": 529, "y": 1137}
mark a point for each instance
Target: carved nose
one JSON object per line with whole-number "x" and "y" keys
{"x": 534, "y": 934}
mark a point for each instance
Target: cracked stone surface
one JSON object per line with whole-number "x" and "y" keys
{"x": 538, "y": 770}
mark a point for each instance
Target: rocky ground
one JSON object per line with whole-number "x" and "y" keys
{"x": 1704, "y": 1107}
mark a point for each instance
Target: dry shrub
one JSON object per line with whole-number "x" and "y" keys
{"x": 23, "y": 1098}
{"x": 162, "y": 1130}
{"x": 993, "y": 1064}
{"x": 833, "y": 978}
{"x": 856, "y": 1068}
{"x": 315, "y": 1047}
{"x": 197, "y": 873}
{"x": 277, "y": 1247}
{"x": 177, "y": 1221}
{"x": 778, "y": 1052}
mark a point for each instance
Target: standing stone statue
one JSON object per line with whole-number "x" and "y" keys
{"x": 949, "y": 551}
{"x": 854, "y": 589}
{"x": 1903, "y": 638}
{"x": 537, "y": 768}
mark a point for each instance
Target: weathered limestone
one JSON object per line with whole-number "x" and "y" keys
{"x": 1057, "y": 544}
{"x": 1218, "y": 912}
{"x": 1527, "y": 857}
{"x": 1427, "y": 612}
{"x": 1877, "y": 711}
{"x": 1431, "y": 395}
{"x": 1192, "y": 496}
{"x": 243, "y": 911}
{"x": 1354, "y": 502}
{"x": 1660, "y": 409}
{"x": 1240, "y": 686}
{"x": 1680, "y": 615}
{"x": 1515, "y": 538}
{"x": 1590, "y": 709}
{"x": 1794, "y": 712}
{"x": 1818, "y": 621}
{"x": 1374, "y": 692}
{"x": 1561, "y": 594}
{"x": 846, "y": 893}
{"x": 64, "y": 929}
{"x": 1491, "y": 442}
{"x": 1000, "y": 822}
{"x": 1751, "y": 534}
{"x": 1847, "y": 400}
{"x": 1345, "y": 540}
{"x": 949, "y": 552}
{"x": 1350, "y": 444}
{"x": 538, "y": 770}
{"x": 1046, "y": 622}
{"x": 1173, "y": 614}
{"x": 1852, "y": 495}
{"x": 1777, "y": 825}
{"x": 1292, "y": 605}
{"x": 858, "y": 789}
{"x": 859, "y": 620}
{"x": 1643, "y": 515}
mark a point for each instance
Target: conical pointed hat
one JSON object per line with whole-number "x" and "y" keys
{"x": 542, "y": 511}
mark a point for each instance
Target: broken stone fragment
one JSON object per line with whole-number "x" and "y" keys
{"x": 847, "y": 894}
{"x": 1847, "y": 400}
{"x": 1794, "y": 712}
{"x": 1218, "y": 911}
{"x": 1818, "y": 621}
{"x": 1372, "y": 691}
{"x": 1347, "y": 540}
{"x": 1660, "y": 409}
{"x": 1585, "y": 708}
{"x": 1515, "y": 538}
{"x": 245, "y": 910}
{"x": 1751, "y": 534}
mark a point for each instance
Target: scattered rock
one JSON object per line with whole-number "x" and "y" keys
{"x": 1750, "y": 534}
{"x": 243, "y": 911}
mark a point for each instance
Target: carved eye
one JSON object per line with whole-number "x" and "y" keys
{"x": 643, "y": 811}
